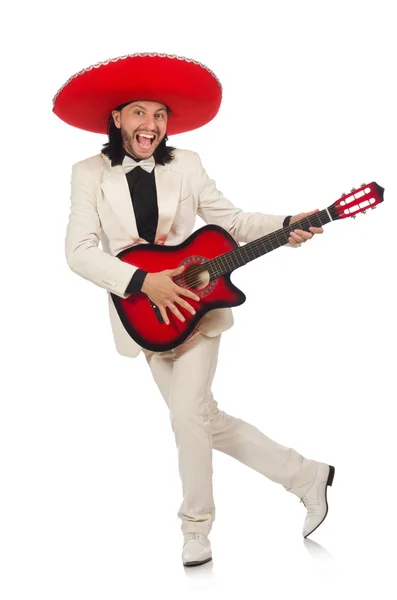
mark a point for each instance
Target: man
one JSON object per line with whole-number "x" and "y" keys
{"x": 136, "y": 191}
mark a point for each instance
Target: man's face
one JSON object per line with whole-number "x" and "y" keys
{"x": 139, "y": 120}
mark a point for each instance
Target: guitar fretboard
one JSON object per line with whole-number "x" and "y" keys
{"x": 228, "y": 262}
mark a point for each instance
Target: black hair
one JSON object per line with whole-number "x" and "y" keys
{"x": 114, "y": 147}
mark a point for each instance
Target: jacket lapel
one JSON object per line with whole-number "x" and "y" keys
{"x": 117, "y": 193}
{"x": 168, "y": 186}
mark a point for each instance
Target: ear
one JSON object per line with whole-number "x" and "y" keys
{"x": 116, "y": 118}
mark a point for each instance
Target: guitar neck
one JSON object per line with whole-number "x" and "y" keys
{"x": 228, "y": 262}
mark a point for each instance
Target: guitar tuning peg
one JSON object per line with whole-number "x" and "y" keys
{"x": 353, "y": 189}
{"x": 363, "y": 184}
{"x": 364, "y": 211}
{"x": 343, "y": 195}
{"x": 353, "y": 216}
{"x": 373, "y": 207}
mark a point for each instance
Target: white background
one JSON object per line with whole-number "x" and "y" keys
{"x": 89, "y": 480}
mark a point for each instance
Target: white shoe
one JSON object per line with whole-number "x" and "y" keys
{"x": 315, "y": 499}
{"x": 196, "y": 549}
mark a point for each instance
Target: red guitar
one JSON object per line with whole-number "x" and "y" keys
{"x": 210, "y": 255}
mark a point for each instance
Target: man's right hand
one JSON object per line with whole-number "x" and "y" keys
{"x": 164, "y": 293}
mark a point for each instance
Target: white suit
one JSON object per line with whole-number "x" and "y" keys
{"x": 102, "y": 211}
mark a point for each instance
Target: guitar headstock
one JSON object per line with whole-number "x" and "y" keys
{"x": 357, "y": 201}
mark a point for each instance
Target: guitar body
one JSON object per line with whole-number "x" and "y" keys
{"x": 138, "y": 314}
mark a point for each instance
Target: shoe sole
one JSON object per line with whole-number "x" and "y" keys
{"x": 330, "y": 479}
{"x": 195, "y": 563}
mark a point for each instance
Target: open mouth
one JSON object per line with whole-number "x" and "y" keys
{"x": 145, "y": 140}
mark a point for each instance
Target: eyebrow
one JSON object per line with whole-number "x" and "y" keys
{"x": 143, "y": 108}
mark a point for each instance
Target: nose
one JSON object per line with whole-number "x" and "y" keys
{"x": 150, "y": 123}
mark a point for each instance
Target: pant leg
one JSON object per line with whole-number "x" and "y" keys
{"x": 184, "y": 376}
{"x": 250, "y": 446}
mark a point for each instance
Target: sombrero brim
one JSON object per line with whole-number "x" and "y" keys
{"x": 188, "y": 88}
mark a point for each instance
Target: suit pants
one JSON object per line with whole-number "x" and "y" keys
{"x": 184, "y": 376}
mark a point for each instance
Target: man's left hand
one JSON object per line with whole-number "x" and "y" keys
{"x": 297, "y": 236}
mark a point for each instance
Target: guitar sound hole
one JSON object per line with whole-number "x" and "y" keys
{"x": 196, "y": 277}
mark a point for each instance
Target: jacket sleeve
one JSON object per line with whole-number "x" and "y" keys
{"x": 243, "y": 226}
{"x": 83, "y": 255}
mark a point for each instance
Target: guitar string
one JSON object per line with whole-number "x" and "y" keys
{"x": 191, "y": 281}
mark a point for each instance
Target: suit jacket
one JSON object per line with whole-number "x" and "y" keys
{"x": 102, "y": 211}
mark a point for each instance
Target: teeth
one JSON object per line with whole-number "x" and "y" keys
{"x": 150, "y": 137}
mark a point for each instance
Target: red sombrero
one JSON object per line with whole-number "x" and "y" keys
{"x": 188, "y": 88}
